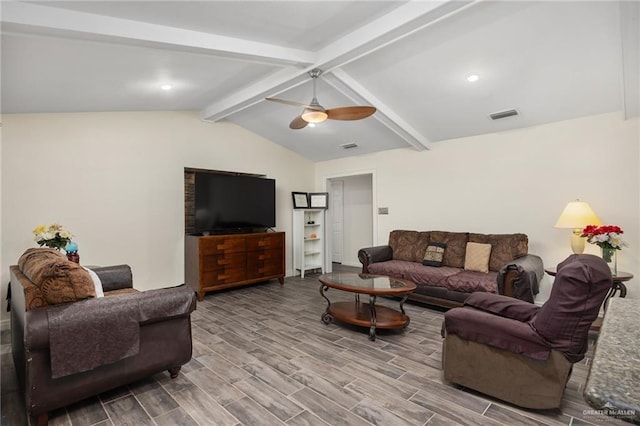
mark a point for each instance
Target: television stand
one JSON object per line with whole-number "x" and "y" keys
{"x": 233, "y": 231}
{"x": 216, "y": 262}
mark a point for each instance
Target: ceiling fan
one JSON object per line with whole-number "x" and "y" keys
{"x": 316, "y": 113}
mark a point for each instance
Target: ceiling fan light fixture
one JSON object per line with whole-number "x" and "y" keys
{"x": 311, "y": 116}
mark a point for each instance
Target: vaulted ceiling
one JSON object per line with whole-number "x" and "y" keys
{"x": 549, "y": 61}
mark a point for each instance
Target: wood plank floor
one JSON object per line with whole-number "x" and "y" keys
{"x": 261, "y": 356}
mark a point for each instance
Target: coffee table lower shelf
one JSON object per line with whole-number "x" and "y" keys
{"x": 359, "y": 314}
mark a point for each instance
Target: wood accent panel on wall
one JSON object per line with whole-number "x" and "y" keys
{"x": 189, "y": 201}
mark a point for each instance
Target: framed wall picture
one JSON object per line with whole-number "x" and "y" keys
{"x": 319, "y": 200}
{"x": 300, "y": 200}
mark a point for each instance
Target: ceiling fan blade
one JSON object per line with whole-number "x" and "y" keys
{"x": 298, "y": 104}
{"x": 298, "y": 123}
{"x": 350, "y": 112}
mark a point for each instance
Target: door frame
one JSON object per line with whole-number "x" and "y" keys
{"x": 374, "y": 202}
{"x": 334, "y": 242}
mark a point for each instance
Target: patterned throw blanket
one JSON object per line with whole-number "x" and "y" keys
{"x": 59, "y": 280}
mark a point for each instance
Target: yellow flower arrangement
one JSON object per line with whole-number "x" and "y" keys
{"x": 53, "y": 236}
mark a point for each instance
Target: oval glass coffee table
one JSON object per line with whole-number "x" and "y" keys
{"x": 366, "y": 314}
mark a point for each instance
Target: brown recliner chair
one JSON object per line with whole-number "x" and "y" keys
{"x": 520, "y": 352}
{"x": 67, "y": 352}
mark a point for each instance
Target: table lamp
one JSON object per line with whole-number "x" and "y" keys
{"x": 576, "y": 215}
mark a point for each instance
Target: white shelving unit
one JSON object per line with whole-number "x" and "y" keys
{"x": 308, "y": 240}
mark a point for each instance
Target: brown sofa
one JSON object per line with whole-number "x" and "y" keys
{"x": 66, "y": 352}
{"x": 511, "y": 270}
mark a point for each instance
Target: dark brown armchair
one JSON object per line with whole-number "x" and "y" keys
{"x": 520, "y": 352}
{"x": 67, "y": 352}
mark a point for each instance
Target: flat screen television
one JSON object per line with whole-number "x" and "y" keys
{"x": 226, "y": 202}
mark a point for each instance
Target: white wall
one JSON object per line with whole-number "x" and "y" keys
{"x": 115, "y": 180}
{"x": 517, "y": 181}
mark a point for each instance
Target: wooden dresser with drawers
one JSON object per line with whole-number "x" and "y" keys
{"x": 215, "y": 262}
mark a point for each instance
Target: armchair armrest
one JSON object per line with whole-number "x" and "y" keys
{"x": 115, "y": 277}
{"x": 493, "y": 330}
{"x": 503, "y": 306}
{"x": 370, "y": 255}
{"x": 521, "y": 277}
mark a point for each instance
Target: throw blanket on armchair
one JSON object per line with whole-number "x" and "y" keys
{"x": 94, "y": 332}
{"x": 530, "y": 272}
{"x": 84, "y": 335}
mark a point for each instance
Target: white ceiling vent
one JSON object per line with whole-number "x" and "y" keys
{"x": 503, "y": 114}
{"x": 349, "y": 145}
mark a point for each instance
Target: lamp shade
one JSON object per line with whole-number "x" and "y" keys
{"x": 577, "y": 214}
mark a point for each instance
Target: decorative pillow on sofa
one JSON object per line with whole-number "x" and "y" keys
{"x": 456, "y": 244}
{"x": 434, "y": 254}
{"x": 504, "y": 247}
{"x": 477, "y": 257}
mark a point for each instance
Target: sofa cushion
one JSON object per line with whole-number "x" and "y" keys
{"x": 476, "y": 257}
{"x": 120, "y": 291}
{"x": 434, "y": 254}
{"x": 504, "y": 247}
{"x": 408, "y": 245}
{"x": 456, "y": 246}
{"x": 415, "y": 272}
{"x": 59, "y": 280}
{"x": 470, "y": 281}
{"x": 446, "y": 277}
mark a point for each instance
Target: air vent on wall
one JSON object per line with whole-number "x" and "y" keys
{"x": 349, "y": 145}
{"x": 503, "y": 114}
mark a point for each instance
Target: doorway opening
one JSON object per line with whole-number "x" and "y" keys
{"x": 351, "y": 222}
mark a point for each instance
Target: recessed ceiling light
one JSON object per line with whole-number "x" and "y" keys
{"x": 166, "y": 87}
{"x": 311, "y": 124}
{"x": 472, "y": 77}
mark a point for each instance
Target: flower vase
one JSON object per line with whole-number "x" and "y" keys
{"x": 609, "y": 255}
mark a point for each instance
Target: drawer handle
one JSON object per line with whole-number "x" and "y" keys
{"x": 223, "y": 277}
{"x": 261, "y": 257}
{"x": 224, "y": 261}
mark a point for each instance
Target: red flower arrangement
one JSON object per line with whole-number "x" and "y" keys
{"x": 605, "y": 236}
